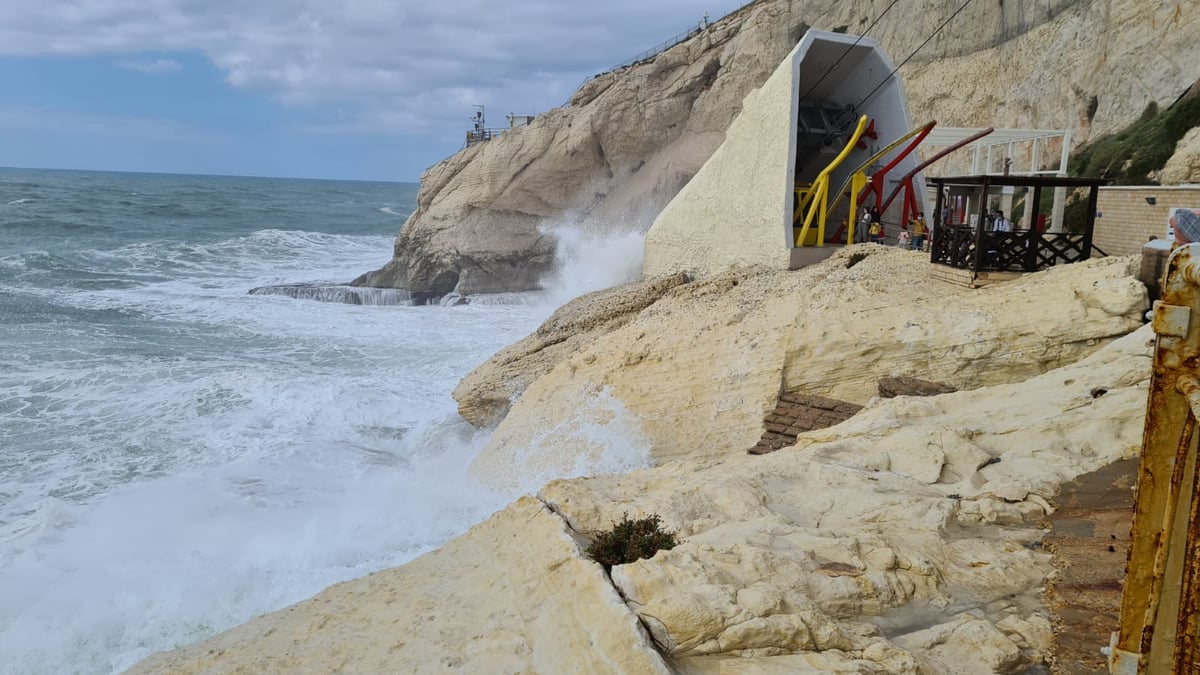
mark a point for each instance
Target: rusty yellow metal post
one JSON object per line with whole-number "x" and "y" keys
{"x": 1157, "y": 632}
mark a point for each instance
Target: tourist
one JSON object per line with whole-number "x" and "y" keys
{"x": 902, "y": 239}
{"x": 919, "y": 231}
{"x": 863, "y": 226}
{"x": 876, "y": 229}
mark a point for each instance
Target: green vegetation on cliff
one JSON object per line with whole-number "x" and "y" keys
{"x": 1132, "y": 155}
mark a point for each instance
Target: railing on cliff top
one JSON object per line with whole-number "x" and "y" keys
{"x": 704, "y": 24}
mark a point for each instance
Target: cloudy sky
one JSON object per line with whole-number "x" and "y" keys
{"x": 358, "y": 89}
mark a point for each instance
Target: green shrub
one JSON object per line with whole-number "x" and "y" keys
{"x": 1129, "y": 156}
{"x": 630, "y": 541}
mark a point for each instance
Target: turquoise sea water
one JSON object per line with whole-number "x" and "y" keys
{"x": 177, "y": 456}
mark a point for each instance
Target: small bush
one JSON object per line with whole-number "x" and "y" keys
{"x": 855, "y": 258}
{"x": 630, "y": 541}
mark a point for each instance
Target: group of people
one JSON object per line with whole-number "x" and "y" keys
{"x": 870, "y": 228}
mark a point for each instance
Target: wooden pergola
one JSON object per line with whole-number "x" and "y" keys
{"x": 963, "y": 241}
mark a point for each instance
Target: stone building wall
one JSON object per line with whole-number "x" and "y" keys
{"x": 1126, "y": 220}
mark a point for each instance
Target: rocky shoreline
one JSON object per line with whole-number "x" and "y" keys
{"x": 908, "y": 538}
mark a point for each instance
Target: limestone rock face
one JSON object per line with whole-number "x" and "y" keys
{"x": 838, "y": 547}
{"x": 1184, "y": 165}
{"x": 630, "y": 139}
{"x": 485, "y": 394}
{"x": 513, "y": 595}
{"x": 611, "y": 159}
{"x": 694, "y": 374}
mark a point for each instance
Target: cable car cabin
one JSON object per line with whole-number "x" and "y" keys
{"x": 989, "y": 228}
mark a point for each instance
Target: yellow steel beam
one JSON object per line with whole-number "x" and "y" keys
{"x": 871, "y": 160}
{"x": 820, "y": 189}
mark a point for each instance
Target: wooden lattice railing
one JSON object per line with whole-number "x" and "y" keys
{"x": 1023, "y": 251}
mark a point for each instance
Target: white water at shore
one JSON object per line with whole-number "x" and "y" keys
{"x": 177, "y": 457}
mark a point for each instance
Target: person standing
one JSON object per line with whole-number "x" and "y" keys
{"x": 1001, "y": 224}
{"x": 863, "y": 226}
{"x": 919, "y": 231}
{"x": 876, "y": 229}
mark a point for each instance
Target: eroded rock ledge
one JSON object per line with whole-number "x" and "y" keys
{"x": 694, "y": 374}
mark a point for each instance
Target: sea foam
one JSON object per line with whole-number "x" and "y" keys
{"x": 181, "y": 456}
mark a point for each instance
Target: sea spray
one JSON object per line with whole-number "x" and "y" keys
{"x": 587, "y": 261}
{"x": 177, "y": 456}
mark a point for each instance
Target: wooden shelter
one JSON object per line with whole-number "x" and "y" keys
{"x": 963, "y": 234}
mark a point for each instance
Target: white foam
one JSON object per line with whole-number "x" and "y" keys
{"x": 217, "y": 455}
{"x": 173, "y": 560}
{"x": 587, "y": 261}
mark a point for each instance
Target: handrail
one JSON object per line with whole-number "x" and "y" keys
{"x": 701, "y": 26}
{"x": 875, "y": 157}
{"x": 819, "y": 192}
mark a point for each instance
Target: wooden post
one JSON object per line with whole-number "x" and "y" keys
{"x": 1093, "y": 199}
{"x": 938, "y": 233}
{"x": 978, "y": 266}
{"x": 1035, "y": 236}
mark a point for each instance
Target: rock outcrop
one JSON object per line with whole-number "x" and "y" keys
{"x": 694, "y": 374}
{"x": 629, "y": 140}
{"x": 1184, "y": 165}
{"x": 612, "y": 158}
{"x": 917, "y": 517}
{"x": 903, "y": 540}
{"x": 486, "y": 393}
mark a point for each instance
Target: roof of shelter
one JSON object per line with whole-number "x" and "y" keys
{"x": 945, "y": 136}
{"x": 1019, "y": 180}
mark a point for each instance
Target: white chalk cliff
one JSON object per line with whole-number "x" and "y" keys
{"x": 903, "y": 540}
{"x": 629, "y": 140}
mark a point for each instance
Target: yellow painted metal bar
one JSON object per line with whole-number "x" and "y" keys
{"x": 806, "y": 193}
{"x": 820, "y": 188}
{"x": 817, "y": 192}
{"x": 858, "y": 180}
{"x": 874, "y": 158}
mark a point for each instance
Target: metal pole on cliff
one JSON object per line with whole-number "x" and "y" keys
{"x": 1158, "y": 631}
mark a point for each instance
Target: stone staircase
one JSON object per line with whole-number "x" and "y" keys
{"x": 796, "y": 413}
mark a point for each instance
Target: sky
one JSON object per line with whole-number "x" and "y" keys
{"x": 345, "y": 89}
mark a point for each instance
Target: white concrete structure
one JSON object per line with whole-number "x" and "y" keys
{"x": 737, "y": 210}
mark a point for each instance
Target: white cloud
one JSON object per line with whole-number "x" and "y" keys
{"x": 399, "y": 65}
{"x": 152, "y": 67}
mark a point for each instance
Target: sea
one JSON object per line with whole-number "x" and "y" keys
{"x": 178, "y": 455}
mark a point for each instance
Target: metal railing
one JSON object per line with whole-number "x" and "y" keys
{"x": 701, "y": 26}
{"x": 480, "y": 135}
